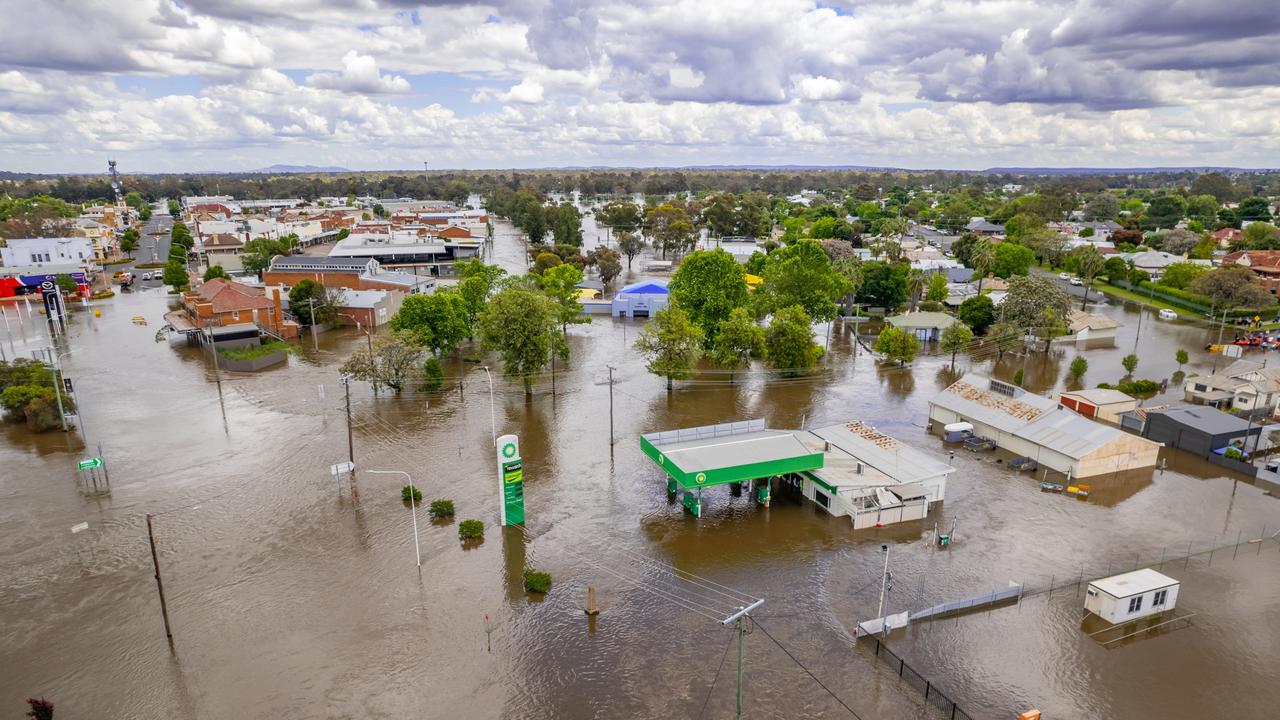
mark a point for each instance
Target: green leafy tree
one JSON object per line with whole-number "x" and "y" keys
{"x": 937, "y": 291}
{"x": 544, "y": 262}
{"x": 1130, "y": 363}
{"x": 1102, "y": 206}
{"x": 392, "y": 361}
{"x": 308, "y": 294}
{"x": 258, "y": 252}
{"x": 883, "y": 285}
{"x": 175, "y": 274}
{"x": 630, "y": 245}
{"x": 129, "y": 241}
{"x": 1260, "y": 236}
{"x": 982, "y": 258}
{"x": 1027, "y": 299}
{"x": 1115, "y": 268}
{"x": 608, "y": 263}
{"x": 216, "y": 271}
{"x": 670, "y": 227}
{"x": 566, "y": 225}
{"x": 1254, "y": 208}
{"x": 1079, "y": 366}
{"x": 672, "y": 343}
{"x": 707, "y": 286}
{"x": 1233, "y": 286}
{"x": 1203, "y": 208}
{"x": 523, "y": 326}
{"x": 1012, "y": 259}
{"x": 66, "y": 284}
{"x": 432, "y": 377}
{"x": 1165, "y": 211}
{"x": 955, "y": 338}
{"x": 1050, "y": 325}
{"x": 738, "y": 339}
{"x": 620, "y": 215}
{"x": 175, "y": 208}
{"x": 977, "y": 312}
{"x": 788, "y": 342}
{"x": 1089, "y": 263}
{"x": 1017, "y": 377}
{"x": 478, "y": 283}
{"x": 1182, "y": 358}
{"x": 1020, "y": 225}
{"x": 1215, "y": 184}
{"x": 801, "y": 274}
{"x": 437, "y": 321}
{"x": 560, "y": 284}
{"x": 1181, "y": 275}
{"x": 915, "y": 285}
{"x": 1005, "y": 336}
{"x": 898, "y": 345}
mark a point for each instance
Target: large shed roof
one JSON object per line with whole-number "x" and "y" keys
{"x": 1206, "y": 419}
{"x": 991, "y": 402}
{"x": 1068, "y": 433}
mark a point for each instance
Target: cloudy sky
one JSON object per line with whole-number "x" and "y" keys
{"x": 162, "y": 85}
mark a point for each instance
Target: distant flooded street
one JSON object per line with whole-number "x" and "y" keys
{"x": 296, "y": 596}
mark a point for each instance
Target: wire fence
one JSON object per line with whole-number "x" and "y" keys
{"x": 938, "y": 702}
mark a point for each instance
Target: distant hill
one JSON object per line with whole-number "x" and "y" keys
{"x": 302, "y": 169}
{"x": 1113, "y": 171}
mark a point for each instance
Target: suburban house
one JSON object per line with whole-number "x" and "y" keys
{"x": 1036, "y": 427}
{"x": 1243, "y": 385}
{"x": 926, "y": 326}
{"x": 1266, "y": 263}
{"x": 221, "y": 302}
{"x": 1099, "y": 403}
{"x": 223, "y": 249}
{"x": 1132, "y": 595}
{"x": 982, "y": 227}
{"x": 1152, "y": 262}
{"x": 1090, "y": 331}
{"x": 348, "y": 273}
{"x": 43, "y": 252}
{"x": 1226, "y": 236}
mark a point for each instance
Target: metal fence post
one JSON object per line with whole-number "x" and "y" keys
{"x": 1187, "y": 560}
{"x": 901, "y": 664}
{"x": 1260, "y": 537}
{"x": 1234, "y": 552}
{"x": 1051, "y": 579}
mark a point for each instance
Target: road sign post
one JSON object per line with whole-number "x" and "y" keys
{"x": 89, "y": 464}
{"x": 511, "y": 480}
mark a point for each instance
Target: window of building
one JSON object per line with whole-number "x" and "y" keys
{"x": 1135, "y": 604}
{"x": 822, "y": 498}
{"x": 235, "y": 314}
{"x": 1160, "y": 597}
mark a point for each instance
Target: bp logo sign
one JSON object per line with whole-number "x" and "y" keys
{"x": 661, "y": 459}
{"x": 700, "y": 478}
{"x": 509, "y": 450}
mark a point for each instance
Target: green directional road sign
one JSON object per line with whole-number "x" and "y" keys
{"x": 89, "y": 464}
{"x": 511, "y": 480}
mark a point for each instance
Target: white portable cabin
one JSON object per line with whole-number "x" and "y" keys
{"x": 1132, "y": 595}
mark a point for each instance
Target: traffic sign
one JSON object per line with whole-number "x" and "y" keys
{"x": 95, "y": 462}
{"x": 342, "y": 467}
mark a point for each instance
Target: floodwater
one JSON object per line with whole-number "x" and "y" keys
{"x": 295, "y": 596}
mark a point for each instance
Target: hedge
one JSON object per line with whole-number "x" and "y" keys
{"x": 1192, "y": 301}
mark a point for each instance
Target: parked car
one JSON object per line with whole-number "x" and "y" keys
{"x": 1063, "y": 276}
{"x": 1077, "y": 281}
{"x": 1167, "y": 314}
{"x": 146, "y": 276}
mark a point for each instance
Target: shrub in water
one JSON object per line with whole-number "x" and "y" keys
{"x": 409, "y": 489}
{"x": 538, "y": 582}
{"x": 470, "y": 530}
{"x": 441, "y": 508}
{"x": 1232, "y": 453}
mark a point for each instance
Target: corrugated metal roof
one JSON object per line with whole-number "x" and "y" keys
{"x": 1101, "y": 396}
{"x": 900, "y": 462}
{"x": 1068, "y": 433}
{"x": 1206, "y": 419}
{"x": 972, "y": 398}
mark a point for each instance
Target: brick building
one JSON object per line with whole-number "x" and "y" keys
{"x": 221, "y": 302}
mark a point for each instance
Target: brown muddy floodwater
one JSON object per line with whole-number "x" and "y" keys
{"x": 293, "y": 598}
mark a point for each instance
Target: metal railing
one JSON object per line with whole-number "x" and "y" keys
{"x": 942, "y": 705}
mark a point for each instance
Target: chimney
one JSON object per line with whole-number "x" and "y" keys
{"x": 277, "y": 320}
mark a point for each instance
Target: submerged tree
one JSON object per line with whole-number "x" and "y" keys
{"x": 393, "y": 359}
{"x": 523, "y": 326}
{"x": 739, "y": 338}
{"x": 672, "y": 342}
{"x": 955, "y": 338}
{"x": 789, "y": 344}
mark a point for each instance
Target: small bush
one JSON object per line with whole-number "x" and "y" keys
{"x": 432, "y": 375}
{"x": 441, "y": 509}
{"x": 103, "y": 295}
{"x": 538, "y": 582}
{"x": 1139, "y": 387}
{"x": 409, "y": 489}
{"x": 1231, "y": 452}
{"x": 470, "y": 530}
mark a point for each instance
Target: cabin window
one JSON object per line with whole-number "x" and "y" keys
{"x": 1159, "y": 598}
{"x": 1091, "y": 592}
{"x": 1135, "y": 604}
{"x": 822, "y": 498}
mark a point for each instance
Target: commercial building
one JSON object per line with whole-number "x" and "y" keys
{"x": 409, "y": 249}
{"x": 347, "y": 273}
{"x": 1036, "y": 427}
{"x": 42, "y": 252}
{"x": 220, "y": 302}
{"x": 1132, "y": 595}
{"x": 642, "y": 299}
{"x": 369, "y": 308}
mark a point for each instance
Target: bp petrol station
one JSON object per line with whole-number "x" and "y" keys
{"x": 727, "y": 454}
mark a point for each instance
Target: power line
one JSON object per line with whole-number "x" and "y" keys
{"x": 717, "y": 677}
{"x": 806, "y": 670}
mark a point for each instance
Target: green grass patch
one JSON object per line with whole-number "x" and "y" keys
{"x": 255, "y": 352}
{"x": 1141, "y": 299}
{"x": 537, "y": 582}
{"x": 121, "y": 261}
{"x": 149, "y": 265}
{"x": 103, "y": 295}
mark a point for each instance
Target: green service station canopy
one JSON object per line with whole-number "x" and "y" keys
{"x": 695, "y": 458}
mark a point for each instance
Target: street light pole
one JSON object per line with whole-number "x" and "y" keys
{"x": 884, "y": 582}
{"x": 610, "y": 406}
{"x": 493, "y": 426}
{"x": 413, "y": 508}
{"x": 346, "y": 388}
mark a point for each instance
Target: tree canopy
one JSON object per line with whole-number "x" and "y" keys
{"x": 437, "y": 321}
{"x": 523, "y": 327}
{"x": 789, "y": 344}
{"x": 708, "y": 285}
{"x": 801, "y": 274}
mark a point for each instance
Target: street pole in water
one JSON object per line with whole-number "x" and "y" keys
{"x": 738, "y": 617}
{"x": 493, "y": 426}
{"x": 315, "y": 342}
{"x": 346, "y": 387}
{"x": 413, "y": 508}
{"x": 155, "y": 562}
{"x": 884, "y": 581}
{"x": 610, "y": 406}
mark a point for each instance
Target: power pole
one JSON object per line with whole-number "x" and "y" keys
{"x": 884, "y": 583}
{"x": 346, "y": 387}
{"x": 57, "y": 386}
{"x": 155, "y": 562}
{"x": 738, "y": 617}
{"x": 1220, "y": 326}
{"x": 315, "y": 341}
{"x": 610, "y": 406}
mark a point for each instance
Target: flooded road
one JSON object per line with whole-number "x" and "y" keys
{"x": 293, "y": 596}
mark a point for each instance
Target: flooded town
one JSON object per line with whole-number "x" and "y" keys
{"x": 612, "y": 360}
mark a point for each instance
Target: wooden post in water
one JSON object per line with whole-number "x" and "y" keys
{"x": 155, "y": 562}
{"x": 592, "y": 609}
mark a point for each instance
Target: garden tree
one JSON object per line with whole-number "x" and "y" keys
{"x": 788, "y": 343}
{"x": 707, "y": 286}
{"x": 883, "y": 285}
{"x": 1165, "y": 211}
{"x": 977, "y": 312}
{"x": 259, "y": 251}
{"x": 897, "y": 344}
{"x": 963, "y": 248}
{"x": 1089, "y": 263}
{"x": 670, "y": 228}
{"x": 1049, "y": 246}
{"x": 718, "y": 214}
{"x": 737, "y": 340}
{"x": 1018, "y": 226}
{"x": 800, "y": 274}
{"x": 545, "y": 261}
{"x": 66, "y": 284}
{"x": 1079, "y": 366}
{"x": 175, "y": 274}
{"x": 129, "y": 241}
{"x": 1017, "y": 377}
{"x": 1028, "y": 297}
{"x": 1012, "y": 259}
{"x": 1115, "y": 268}
{"x": 523, "y": 326}
{"x": 1232, "y": 286}
{"x": 380, "y": 211}
{"x": 1215, "y": 184}
{"x": 560, "y": 284}
{"x": 1132, "y": 238}
{"x": 982, "y": 258}
{"x": 937, "y": 291}
{"x": 915, "y": 285}
{"x": 1259, "y": 236}
{"x": 1203, "y": 208}
{"x": 894, "y": 227}
{"x": 566, "y": 224}
{"x": 1180, "y": 275}
{"x": 134, "y": 200}
{"x": 751, "y": 217}
{"x": 215, "y": 271}
{"x": 1178, "y": 241}
{"x": 437, "y": 321}
{"x": 1005, "y": 336}
{"x": 888, "y": 249}
{"x": 1254, "y": 208}
{"x": 1130, "y": 363}
{"x": 393, "y": 360}
{"x": 313, "y": 303}
{"x": 608, "y": 263}
{"x": 836, "y": 249}
{"x": 175, "y": 208}
{"x": 955, "y": 338}
{"x": 1048, "y": 326}
{"x": 181, "y": 235}
{"x": 1181, "y": 358}
{"x": 850, "y": 268}
{"x": 672, "y": 342}
{"x": 27, "y": 394}
{"x": 630, "y": 244}
{"x": 1102, "y": 206}
{"x": 619, "y": 215}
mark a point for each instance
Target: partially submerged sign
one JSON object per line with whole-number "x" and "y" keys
{"x": 94, "y": 462}
{"x": 511, "y": 480}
